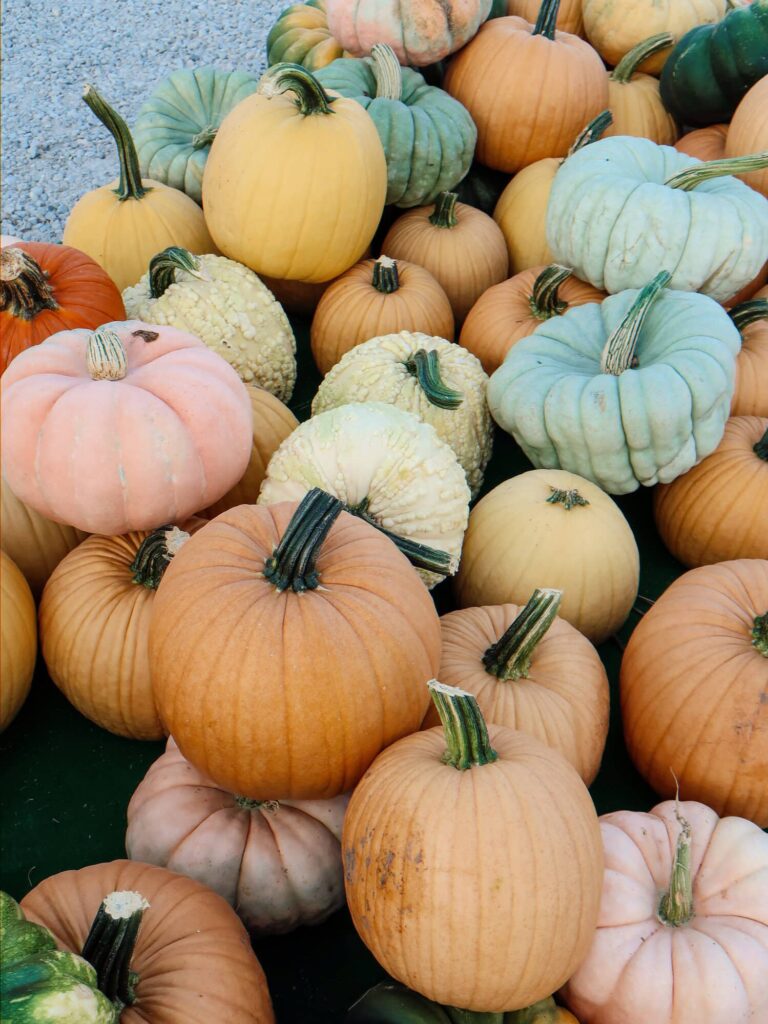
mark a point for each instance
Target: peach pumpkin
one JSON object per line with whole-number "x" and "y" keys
{"x": 704, "y": 143}
{"x": 748, "y": 132}
{"x": 18, "y": 639}
{"x": 751, "y": 395}
{"x": 569, "y": 17}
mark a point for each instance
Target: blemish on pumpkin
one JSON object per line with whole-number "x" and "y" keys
{"x": 385, "y": 865}
{"x": 349, "y": 864}
{"x": 146, "y": 335}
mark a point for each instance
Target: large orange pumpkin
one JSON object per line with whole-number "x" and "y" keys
{"x": 18, "y": 639}
{"x": 750, "y": 397}
{"x": 634, "y": 98}
{"x": 748, "y": 132}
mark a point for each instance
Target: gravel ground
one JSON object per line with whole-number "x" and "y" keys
{"x": 53, "y": 148}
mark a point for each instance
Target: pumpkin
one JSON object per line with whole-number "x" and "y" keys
{"x": 301, "y": 36}
{"x": 630, "y": 392}
{"x": 277, "y": 862}
{"x": 693, "y": 685}
{"x": 683, "y": 927}
{"x": 35, "y": 544}
{"x": 552, "y": 529}
{"x": 420, "y": 31}
{"x": 175, "y": 127}
{"x": 634, "y": 97}
{"x": 748, "y": 132}
{"x": 529, "y": 89}
{"x": 123, "y": 224}
{"x": 124, "y": 428}
{"x": 713, "y": 66}
{"x": 42, "y": 983}
{"x": 294, "y": 187}
{"x": 390, "y": 1003}
{"x": 437, "y": 381}
{"x": 514, "y": 309}
{"x": 225, "y": 305}
{"x": 376, "y": 297}
{"x": 387, "y": 467}
{"x": 704, "y": 143}
{"x": 658, "y": 209}
{"x": 460, "y": 246}
{"x": 751, "y": 395}
{"x": 462, "y": 832}
{"x": 569, "y": 16}
{"x": 716, "y": 511}
{"x": 613, "y": 27}
{"x": 428, "y": 137}
{"x": 49, "y": 288}
{"x": 18, "y": 649}
{"x": 94, "y": 626}
{"x": 191, "y": 963}
{"x": 532, "y": 671}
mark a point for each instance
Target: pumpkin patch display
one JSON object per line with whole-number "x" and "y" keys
{"x": 391, "y": 1003}
{"x": 301, "y": 36}
{"x": 634, "y": 98}
{"x": 748, "y": 131}
{"x": 18, "y": 639}
{"x": 751, "y": 395}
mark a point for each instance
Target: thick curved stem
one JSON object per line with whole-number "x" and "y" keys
{"x": 425, "y": 366}
{"x": 292, "y": 564}
{"x": 444, "y": 213}
{"x": 630, "y": 62}
{"x": 163, "y": 267}
{"x": 688, "y": 179}
{"x": 466, "y": 733}
{"x": 155, "y": 554}
{"x": 105, "y": 355}
{"x": 544, "y": 300}
{"x": 130, "y": 186}
{"x": 510, "y": 657}
{"x": 676, "y": 906}
{"x": 24, "y": 288}
{"x": 568, "y": 499}
{"x": 385, "y": 278}
{"x": 592, "y": 132}
{"x": 310, "y": 97}
{"x": 760, "y": 634}
{"x": 547, "y": 19}
{"x": 110, "y": 943}
{"x": 749, "y": 312}
{"x": 421, "y": 556}
{"x": 619, "y": 352}
{"x": 387, "y": 71}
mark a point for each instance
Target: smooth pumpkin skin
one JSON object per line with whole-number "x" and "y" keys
{"x": 716, "y": 511}
{"x": 569, "y": 15}
{"x": 301, "y": 35}
{"x": 637, "y": 110}
{"x": 85, "y": 296}
{"x": 748, "y": 132}
{"x": 18, "y": 639}
{"x": 517, "y": 540}
{"x": 193, "y": 957}
{"x": 713, "y": 969}
{"x": 704, "y": 143}
{"x": 751, "y": 395}
{"x": 693, "y": 683}
{"x": 521, "y": 213}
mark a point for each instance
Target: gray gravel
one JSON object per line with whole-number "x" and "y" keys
{"x": 53, "y": 148}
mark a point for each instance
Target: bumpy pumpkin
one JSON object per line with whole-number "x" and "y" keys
{"x": 294, "y": 187}
{"x": 391, "y": 1003}
{"x": 748, "y": 132}
{"x": 48, "y": 288}
{"x": 175, "y": 127}
{"x": 630, "y": 392}
{"x": 751, "y": 395}
{"x": 124, "y": 428}
{"x": 301, "y": 35}
{"x": 634, "y": 97}
{"x": 693, "y": 682}
{"x": 437, "y": 381}
{"x": 18, "y": 646}
{"x": 329, "y": 617}
{"x": 278, "y": 863}
{"x": 704, "y": 143}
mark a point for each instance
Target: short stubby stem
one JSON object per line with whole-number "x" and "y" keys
{"x": 204, "y": 137}
{"x": 24, "y": 287}
{"x": 544, "y": 301}
{"x": 163, "y": 267}
{"x": 760, "y": 634}
{"x": 688, "y": 179}
{"x": 155, "y": 554}
{"x": 444, "y": 213}
{"x": 310, "y": 97}
{"x": 246, "y": 803}
{"x": 510, "y": 657}
{"x": 676, "y": 905}
{"x": 105, "y": 355}
{"x": 385, "y": 277}
{"x": 749, "y": 312}
{"x": 567, "y": 498}
{"x": 466, "y": 733}
{"x": 111, "y": 941}
{"x": 619, "y": 352}
{"x": 293, "y": 563}
{"x": 425, "y": 367}
{"x": 593, "y": 131}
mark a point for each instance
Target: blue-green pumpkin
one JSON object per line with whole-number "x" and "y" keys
{"x": 177, "y": 124}
{"x": 428, "y": 136}
{"x": 392, "y": 1003}
{"x": 634, "y": 390}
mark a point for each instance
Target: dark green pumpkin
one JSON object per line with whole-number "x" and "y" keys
{"x": 301, "y": 36}
{"x": 392, "y": 1003}
{"x": 428, "y": 137}
{"x": 713, "y": 66}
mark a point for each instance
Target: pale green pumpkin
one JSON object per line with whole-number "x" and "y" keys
{"x": 632, "y": 391}
{"x": 428, "y": 136}
{"x": 177, "y": 124}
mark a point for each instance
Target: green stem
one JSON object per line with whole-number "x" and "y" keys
{"x": 688, "y": 179}
{"x": 155, "y": 554}
{"x": 24, "y": 288}
{"x": 568, "y": 499}
{"x": 421, "y": 556}
{"x": 247, "y": 804}
{"x": 105, "y": 355}
{"x": 547, "y": 20}
{"x": 292, "y": 565}
{"x": 466, "y": 734}
{"x": 130, "y": 186}
{"x": 163, "y": 267}
{"x": 592, "y": 132}
{"x": 205, "y": 137}
{"x": 544, "y": 299}
{"x": 749, "y": 312}
{"x": 619, "y": 352}
{"x": 510, "y": 657}
{"x": 310, "y": 96}
{"x": 110, "y": 943}
{"x": 387, "y": 72}
{"x": 444, "y": 213}
{"x": 676, "y": 905}
{"x": 385, "y": 277}
{"x": 630, "y": 62}
{"x": 761, "y": 447}
{"x": 425, "y": 366}
{"x": 760, "y": 634}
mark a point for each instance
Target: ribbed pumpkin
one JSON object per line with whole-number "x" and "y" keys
{"x": 391, "y": 1003}
{"x": 18, "y": 639}
{"x": 554, "y": 529}
{"x": 460, "y": 246}
{"x": 634, "y": 97}
{"x": 122, "y": 227}
{"x": 751, "y": 395}
{"x": 704, "y": 143}
{"x": 340, "y": 669}
{"x": 94, "y": 626}
{"x": 716, "y": 511}
{"x": 569, "y": 16}
{"x": 748, "y": 132}
{"x": 514, "y": 309}
{"x": 529, "y": 89}
{"x": 192, "y": 962}
{"x": 48, "y": 288}
{"x": 295, "y": 185}
{"x": 461, "y": 833}
{"x": 373, "y": 298}
{"x": 301, "y": 35}
{"x": 693, "y": 686}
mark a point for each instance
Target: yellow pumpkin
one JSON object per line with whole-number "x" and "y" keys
{"x": 18, "y": 639}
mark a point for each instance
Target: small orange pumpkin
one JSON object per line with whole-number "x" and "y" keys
{"x": 704, "y": 143}
{"x": 634, "y": 97}
{"x": 751, "y": 395}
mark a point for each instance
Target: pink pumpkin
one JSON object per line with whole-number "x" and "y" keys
{"x": 682, "y": 935}
{"x": 124, "y": 428}
{"x": 277, "y": 863}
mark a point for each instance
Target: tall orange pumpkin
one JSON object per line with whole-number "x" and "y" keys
{"x": 748, "y": 132}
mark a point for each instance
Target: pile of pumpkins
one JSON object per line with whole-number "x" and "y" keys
{"x": 197, "y": 564}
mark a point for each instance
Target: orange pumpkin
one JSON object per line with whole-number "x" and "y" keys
{"x": 704, "y": 143}
{"x": 297, "y": 297}
{"x": 634, "y": 97}
{"x": 751, "y": 395}
{"x": 18, "y": 639}
{"x": 752, "y": 290}
{"x": 569, "y": 17}
{"x": 748, "y": 132}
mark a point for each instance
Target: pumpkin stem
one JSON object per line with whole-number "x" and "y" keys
{"x": 749, "y": 312}
{"x": 130, "y": 186}
{"x": 105, "y": 355}
{"x": 248, "y": 804}
{"x": 385, "y": 277}
{"x": 155, "y": 554}
{"x": 510, "y": 657}
{"x": 292, "y": 565}
{"x": 204, "y": 137}
{"x": 425, "y": 366}
{"x": 163, "y": 267}
{"x": 466, "y": 733}
{"x": 592, "y": 132}
{"x": 676, "y": 905}
{"x": 421, "y": 556}
{"x": 631, "y": 60}
{"x": 761, "y": 448}
{"x": 24, "y": 288}
{"x": 547, "y": 20}
{"x": 444, "y": 213}
{"x": 760, "y": 630}
{"x": 387, "y": 72}
{"x": 619, "y": 352}
{"x": 310, "y": 96}
{"x": 568, "y": 499}
{"x": 110, "y": 943}
{"x": 688, "y": 179}
{"x": 544, "y": 300}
